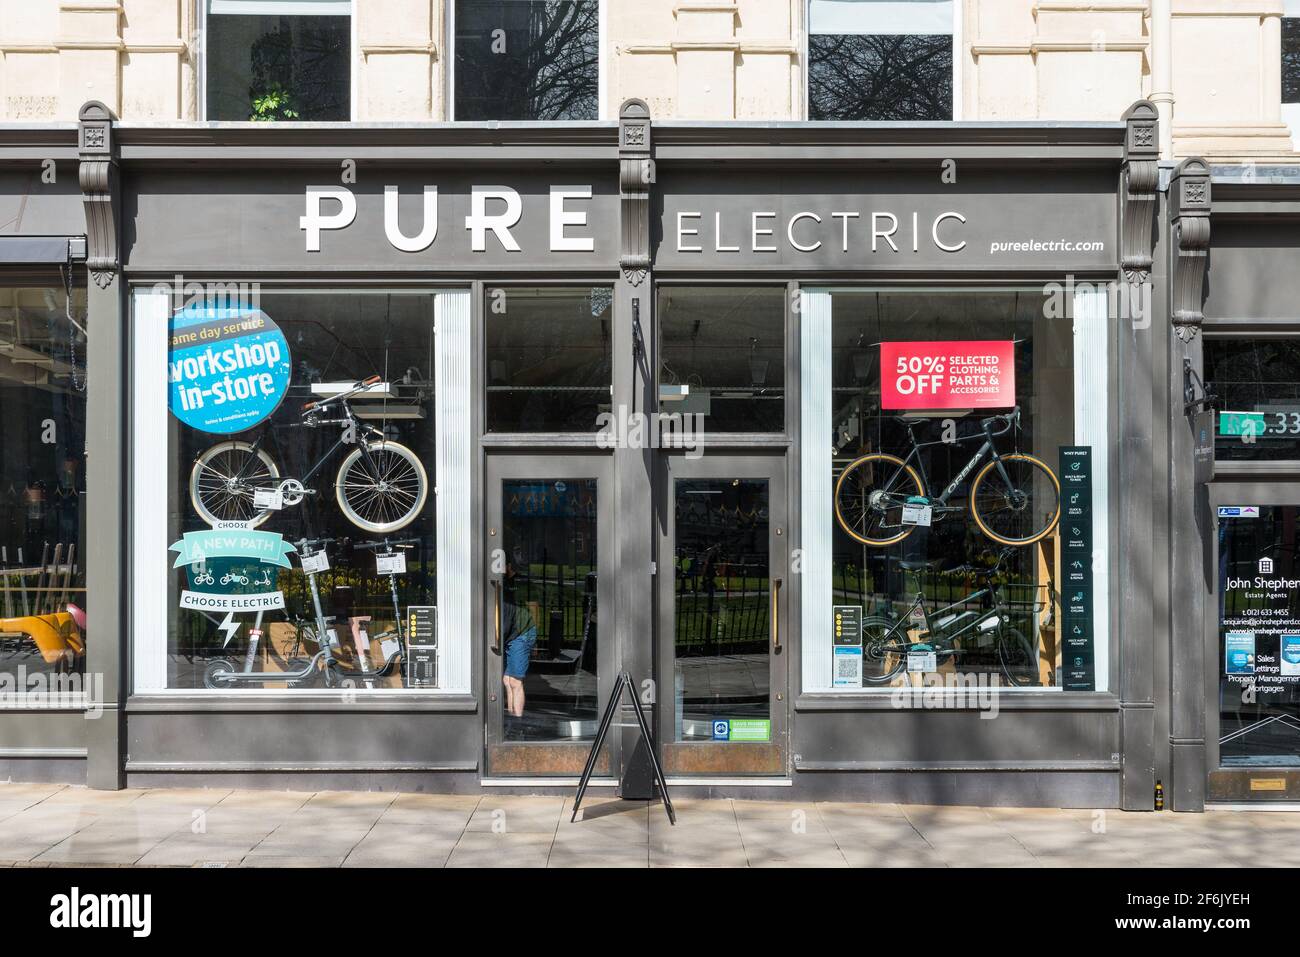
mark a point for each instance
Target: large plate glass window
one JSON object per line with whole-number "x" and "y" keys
{"x": 42, "y": 484}
{"x": 278, "y": 60}
{"x": 957, "y": 530}
{"x": 298, "y": 550}
{"x": 1257, "y": 382}
{"x": 548, "y": 358}
{"x": 527, "y": 59}
{"x": 722, "y": 357}
{"x": 880, "y": 60}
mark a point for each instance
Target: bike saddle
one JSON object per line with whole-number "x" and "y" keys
{"x": 916, "y": 566}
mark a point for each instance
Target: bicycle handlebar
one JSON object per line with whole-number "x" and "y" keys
{"x": 386, "y": 543}
{"x": 359, "y": 386}
{"x": 1008, "y": 420}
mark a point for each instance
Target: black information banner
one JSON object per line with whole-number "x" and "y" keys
{"x": 422, "y": 646}
{"x": 1077, "y": 673}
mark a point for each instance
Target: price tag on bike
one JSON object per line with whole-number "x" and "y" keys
{"x": 918, "y": 515}
{"x": 922, "y": 661}
{"x": 268, "y": 498}
{"x": 316, "y": 562}
{"x": 391, "y": 564}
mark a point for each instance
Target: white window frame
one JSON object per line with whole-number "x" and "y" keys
{"x": 201, "y": 44}
{"x": 958, "y": 22}
{"x": 602, "y": 27}
{"x": 149, "y": 555}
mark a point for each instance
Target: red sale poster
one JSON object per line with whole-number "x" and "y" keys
{"x": 948, "y": 375}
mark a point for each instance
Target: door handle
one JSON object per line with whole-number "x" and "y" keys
{"x": 776, "y": 620}
{"x": 496, "y": 617}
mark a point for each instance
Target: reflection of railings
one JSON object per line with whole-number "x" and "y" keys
{"x": 28, "y": 587}
{"x": 722, "y": 609}
{"x": 564, "y": 602}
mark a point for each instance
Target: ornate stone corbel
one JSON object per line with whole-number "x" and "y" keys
{"x": 99, "y": 190}
{"x": 1141, "y": 178}
{"x": 635, "y": 176}
{"x": 1189, "y": 201}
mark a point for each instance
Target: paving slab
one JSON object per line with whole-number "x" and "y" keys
{"x": 61, "y": 826}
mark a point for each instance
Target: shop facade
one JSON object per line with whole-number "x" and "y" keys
{"x": 849, "y": 443}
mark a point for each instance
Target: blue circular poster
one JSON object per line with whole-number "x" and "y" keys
{"x": 228, "y": 367}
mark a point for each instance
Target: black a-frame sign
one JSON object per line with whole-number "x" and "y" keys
{"x": 623, "y": 683}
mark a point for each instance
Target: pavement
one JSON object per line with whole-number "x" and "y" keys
{"x": 50, "y": 825}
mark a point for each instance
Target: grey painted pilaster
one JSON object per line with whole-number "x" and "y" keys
{"x": 1191, "y": 525}
{"x": 105, "y": 444}
{"x": 1137, "y": 409}
{"x": 634, "y": 384}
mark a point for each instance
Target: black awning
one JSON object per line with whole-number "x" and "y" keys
{"x": 41, "y": 250}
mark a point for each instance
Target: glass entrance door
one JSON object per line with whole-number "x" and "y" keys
{"x": 1255, "y": 651}
{"x": 548, "y": 671}
{"x": 722, "y": 612}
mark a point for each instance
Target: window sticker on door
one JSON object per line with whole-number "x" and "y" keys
{"x": 1239, "y": 653}
{"x": 742, "y": 729}
{"x": 1290, "y": 656}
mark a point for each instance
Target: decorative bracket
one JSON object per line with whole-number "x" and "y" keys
{"x": 1140, "y": 180}
{"x": 1189, "y": 200}
{"x": 98, "y": 177}
{"x": 636, "y": 173}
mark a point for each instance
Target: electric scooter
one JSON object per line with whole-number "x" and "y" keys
{"x": 387, "y": 548}
{"x": 222, "y": 674}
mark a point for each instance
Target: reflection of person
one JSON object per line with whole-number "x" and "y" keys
{"x": 518, "y": 635}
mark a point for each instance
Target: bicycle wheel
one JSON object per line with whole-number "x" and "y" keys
{"x": 1020, "y": 508}
{"x": 866, "y": 490}
{"x": 1017, "y": 658}
{"x": 384, "y": 493}
{"x": 224, "y": 479}
{"x": 884, "y": 655}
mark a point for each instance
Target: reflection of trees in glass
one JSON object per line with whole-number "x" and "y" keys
{"x": 1291, "y": 59}
{"x": 300, "y": 70}
{"x": 534, "y": 60}
{"x": 880, "y": 77}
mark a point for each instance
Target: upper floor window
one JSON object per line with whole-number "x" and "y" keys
{"x": 880, "y": 60}
{"x": 278, "y": 60}
{"x": 1291, "y": 67}
{"x": 527, "y": 60}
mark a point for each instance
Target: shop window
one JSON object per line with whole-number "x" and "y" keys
{"x": 957, "y": 532}
{"x": 722, "y": 356}
{"x": 299, "y": 544}
{"x": 42, "y": 485}
{"x": 548, "y": 358}
{"x": 272, "y": 60}
{"x": 1291, "y": 66}
{"x": 1257, "y": 382}
{"x": 1259, "y": 636}
{"x": 527, "y": 59}
{"x": 880, "y": 60}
